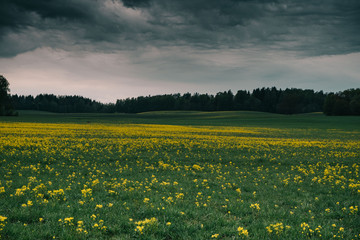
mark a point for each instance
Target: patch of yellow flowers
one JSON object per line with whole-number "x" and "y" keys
{"x": 146, "y": 225}
{"x": 255, "y": 206}
{"x": 277, "y": 228}
{"x": 243, "y": 232}
{"x": 2, "y": 223}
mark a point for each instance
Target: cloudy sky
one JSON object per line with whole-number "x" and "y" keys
{"x": 112, "y": 49}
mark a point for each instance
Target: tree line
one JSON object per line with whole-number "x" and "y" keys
{"x": 288, "y": 101}
{"x": 60, "y": 104}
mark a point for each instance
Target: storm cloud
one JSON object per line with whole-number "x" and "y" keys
{"x": 305, "y": 27}
{"x": 142, "y": 47}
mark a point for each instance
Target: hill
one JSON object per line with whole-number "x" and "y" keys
{"x": 197, "y": 118}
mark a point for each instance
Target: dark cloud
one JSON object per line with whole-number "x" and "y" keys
{"x": 67, "y": 9}
{"x": 136, "y": 3}
{"x": 309, "y": 27}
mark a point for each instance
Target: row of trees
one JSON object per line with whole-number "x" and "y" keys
{"x": 273, "y": 100}
{"x": 288, "y": 101}
{"x": 60, "y": 104}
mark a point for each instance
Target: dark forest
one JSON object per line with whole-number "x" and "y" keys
{"x": 273, "y": 100}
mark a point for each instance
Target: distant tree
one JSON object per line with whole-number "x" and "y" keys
{"x": 195, "y": 102}
{"x": 355, "y": 105}
{"x": 253, "y": 104}
{"x": 119, "y": 105}
{"x": 185, "y": 102}
{"x": 329, "y": 104}
{"x": 5, "y": 99}
{"x": 240, "y": 99}
{"x": 290, "y": 101}
{"x": 224, "y": 101}
{"x": 341, "y": 107}
{"x": 205, "y": 102}
{"x": 343, "y": 103}
{"x": 270, "y": 99}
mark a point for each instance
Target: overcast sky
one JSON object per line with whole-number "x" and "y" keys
{"x": 114, "y": 49}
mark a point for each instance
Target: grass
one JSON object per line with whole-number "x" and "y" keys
{"x": 195, "y": 118}
{"x": 179, "y": 175}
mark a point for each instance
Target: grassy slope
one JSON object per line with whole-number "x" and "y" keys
{"x": 231, "y": 118}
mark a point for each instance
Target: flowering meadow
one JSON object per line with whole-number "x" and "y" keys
{"x": 156, "y": 181}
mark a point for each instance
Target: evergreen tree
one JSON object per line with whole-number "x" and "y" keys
{"x": 5, "y": 99}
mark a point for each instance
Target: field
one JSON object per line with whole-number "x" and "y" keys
{"x": 179, "y": 175}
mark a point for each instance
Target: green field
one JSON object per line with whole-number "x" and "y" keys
{"x": 179, "y": 175}
{"x": 195, "y": 118}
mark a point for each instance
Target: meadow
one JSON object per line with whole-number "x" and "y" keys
{"x": 179, "y": 175}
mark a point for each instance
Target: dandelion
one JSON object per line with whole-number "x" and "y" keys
{"x": 139, "y": 229}
{"x": 69, "y": 221}
{"x": 80, "y": 227}
{"x": 353, "y": 209}
{"x": 179, "y": 195}
{"x": 255, "y": 206}
{"x": 304, "y": 226}
{"x": 197, "y": 167}
{"x": 2, "y": 223}
{"x": 95, "y": 182}
{"x": 86, "y": 192}
{"x": 243, "y": 232}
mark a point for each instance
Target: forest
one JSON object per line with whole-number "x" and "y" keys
{"x": 273, "y": 100}
{"x": 288, "y": 101}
